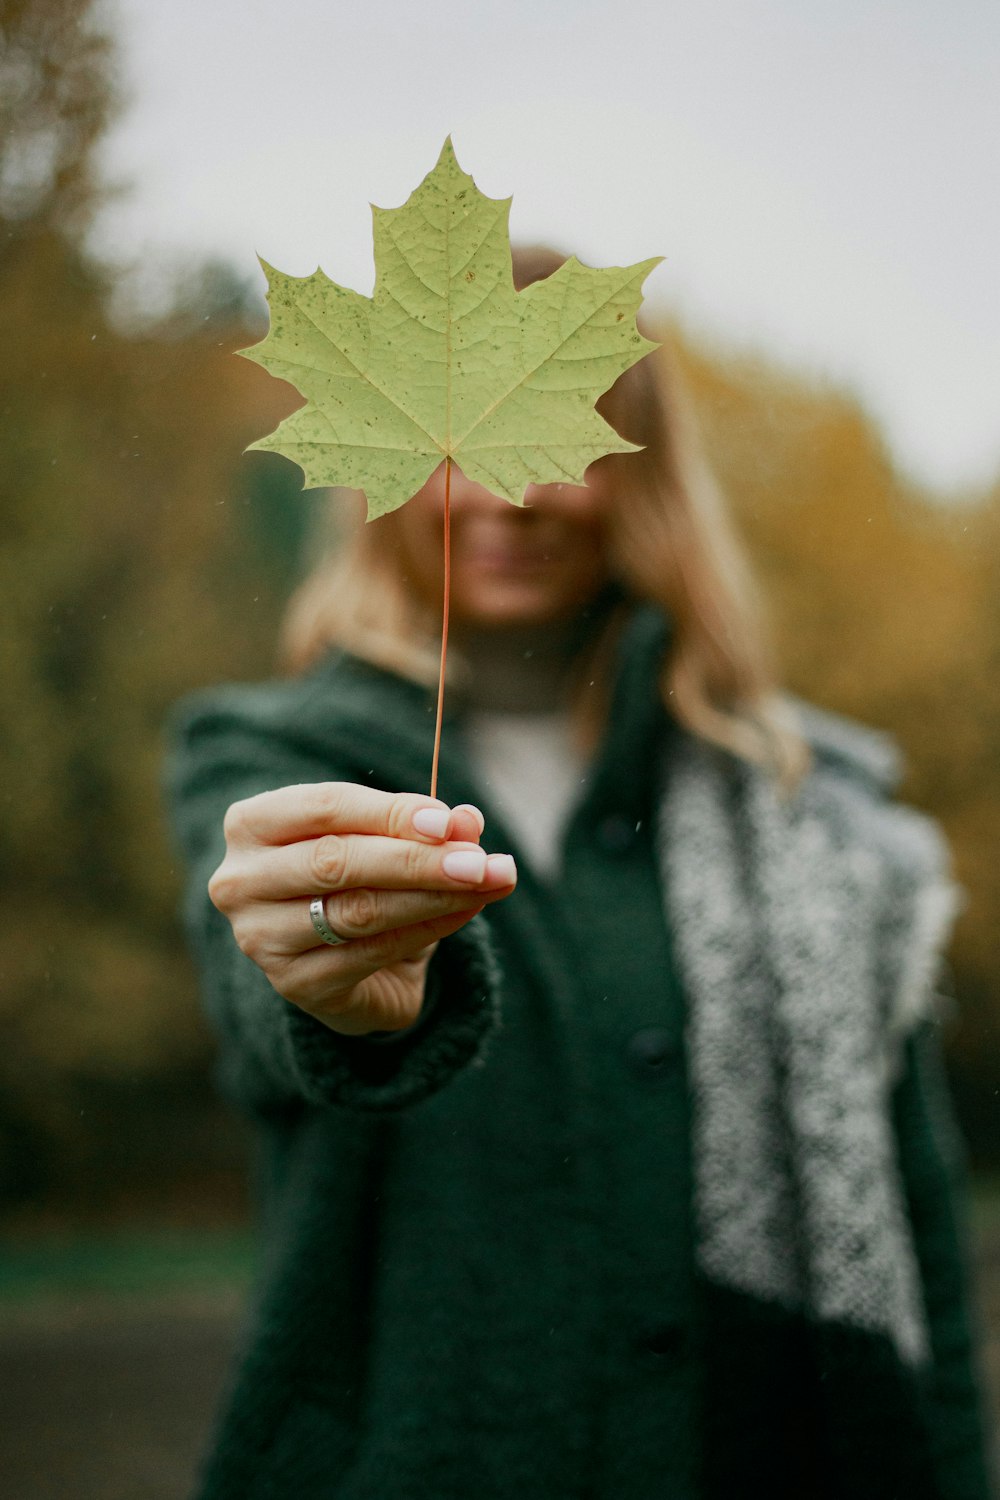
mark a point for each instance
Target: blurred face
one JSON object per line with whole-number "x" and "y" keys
{"x": 509, "y": 565}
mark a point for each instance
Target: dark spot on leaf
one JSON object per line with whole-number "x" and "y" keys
{"x": 470, "y": 275}
{"x": 619, "y": 318}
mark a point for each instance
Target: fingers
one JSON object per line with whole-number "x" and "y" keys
{"x": 324, "y": 976}
{"x": 343, "y": 862}
{"x": 308, "y": 811}
{"x": 467, "y": 824}
{"x": 400, "y": 872}
{"x": 357, "y": 914}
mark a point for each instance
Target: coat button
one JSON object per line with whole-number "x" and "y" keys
{"x": 616, "y": 834}
{"x": 663, "y": 1340}
{"x": 651, "y": 1053}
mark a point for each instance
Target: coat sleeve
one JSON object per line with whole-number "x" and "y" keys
{"x": 932, "y": 1160}
{"x": 273, "y": 1055}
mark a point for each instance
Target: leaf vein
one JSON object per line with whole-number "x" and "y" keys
{"x": 517, "y": 384}
{"x": 366, "y": 375}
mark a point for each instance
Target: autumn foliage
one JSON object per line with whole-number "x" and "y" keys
{"x": 145, "y": 554}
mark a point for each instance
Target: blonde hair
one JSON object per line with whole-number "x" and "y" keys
{"x": 672, "y": 544}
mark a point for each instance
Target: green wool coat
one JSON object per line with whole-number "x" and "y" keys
{"x": 477, "y": 1275}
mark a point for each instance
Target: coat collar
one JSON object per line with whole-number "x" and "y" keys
{"x": 358, "y": 708}
{"x": 846, "y": 743}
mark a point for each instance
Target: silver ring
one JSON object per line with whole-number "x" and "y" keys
{"x": 317, "y": 911}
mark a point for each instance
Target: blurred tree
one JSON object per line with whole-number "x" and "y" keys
{"x": 57, "y": 94}
{"x": 126, "y": 575}
{"x": 885, "y": 606}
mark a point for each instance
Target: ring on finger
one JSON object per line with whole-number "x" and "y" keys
{"x": 317, "y": 912}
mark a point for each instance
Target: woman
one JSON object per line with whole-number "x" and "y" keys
{"x": 604, "y": 1152}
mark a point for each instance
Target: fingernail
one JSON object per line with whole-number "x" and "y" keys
{"x": 465, "y": 864}
{"x": 468, "y": 807}
{"x": 433, "y": 821}
{"x": 502, "y": 869}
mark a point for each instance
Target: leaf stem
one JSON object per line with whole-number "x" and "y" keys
{"x": 444, "y": 623}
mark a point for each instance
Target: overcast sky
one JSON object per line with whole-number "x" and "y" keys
{"x": 821, "y": 176}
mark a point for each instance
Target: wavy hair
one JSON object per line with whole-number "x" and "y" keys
{"x": 672, "y": 544}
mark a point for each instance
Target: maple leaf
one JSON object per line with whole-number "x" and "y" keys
{"x": 446, "y": 360}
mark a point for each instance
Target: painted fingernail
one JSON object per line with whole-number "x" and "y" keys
{"x": 433, "y": 821}
{"x": 502, "y": 869}
{"x": 465, "y": 864}
{"x": 468, "y": 807}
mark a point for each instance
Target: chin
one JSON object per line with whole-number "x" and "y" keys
{"x": 513, "y": 611}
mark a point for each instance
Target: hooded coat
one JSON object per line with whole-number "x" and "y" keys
{"x": 661, "y": 1194}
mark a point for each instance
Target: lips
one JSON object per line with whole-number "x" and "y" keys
{"x": 505, "y": 560}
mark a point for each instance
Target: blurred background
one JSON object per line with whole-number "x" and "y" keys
{"x": 820, "y": 185}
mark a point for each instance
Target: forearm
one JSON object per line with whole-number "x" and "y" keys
{"x": 273, "y": 1054}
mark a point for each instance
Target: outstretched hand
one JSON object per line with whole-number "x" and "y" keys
{"x": 399, "y": 872}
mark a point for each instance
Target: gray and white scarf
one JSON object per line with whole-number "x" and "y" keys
{"x": 808, "y": 936}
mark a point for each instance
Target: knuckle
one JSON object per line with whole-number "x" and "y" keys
{"x": 221, "y": 888}
{"x": 249, "y": 939}
{"x": 415, "y": 862}
{"x": 329, "y": 860}
{"x": 401, "y": 809}
{"x": 257, "y": 951}
{"x": 331, "y": 799}
{"x": 235, "y": 819}
{"x": 357, "y": 911}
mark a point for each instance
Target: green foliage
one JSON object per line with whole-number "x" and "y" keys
{"x": 447, "y": 360}
{"x": 126, "y": 1264}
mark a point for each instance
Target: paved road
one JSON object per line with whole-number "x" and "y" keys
{"x": 112, "y": 1399}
